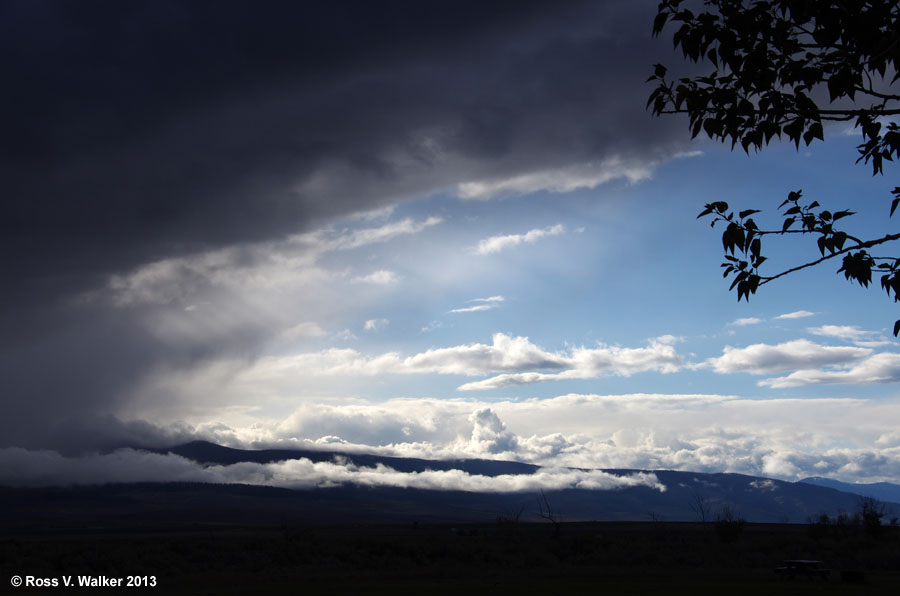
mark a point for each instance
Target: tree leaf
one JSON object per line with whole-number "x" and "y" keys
{"x": 659, "y": 22}
{"x": 839, "y": 214}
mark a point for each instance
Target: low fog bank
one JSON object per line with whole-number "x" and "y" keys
{"x": 41, "y": 468}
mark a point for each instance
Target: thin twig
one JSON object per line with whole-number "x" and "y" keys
{"x": 888, "y": 238}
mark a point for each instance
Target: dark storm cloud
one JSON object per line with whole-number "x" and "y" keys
{"x": 158, "y": 127}
{"x": 134, "y": 131}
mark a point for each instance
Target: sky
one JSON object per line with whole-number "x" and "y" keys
{"x": 435, "y": 230}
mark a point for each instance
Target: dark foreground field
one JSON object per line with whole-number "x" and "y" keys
{"x": 581, "y": 558}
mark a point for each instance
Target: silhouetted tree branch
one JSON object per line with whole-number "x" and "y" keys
{"x": 770, "y": 59}
{"x": 700, "y": 505}
{"x": 546, "y": 512}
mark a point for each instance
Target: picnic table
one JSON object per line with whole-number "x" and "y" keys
{"x": 806, "y": 568}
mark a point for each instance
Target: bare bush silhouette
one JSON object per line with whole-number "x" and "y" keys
{"x": 729, "y": 525}
{"x": 546, "y": 512}
{"x": 700, "y": 505}
{"x": 510, "y": 516}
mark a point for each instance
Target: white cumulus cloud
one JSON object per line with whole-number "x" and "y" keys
{"x": 489, "y": 299}
{"x": 363, "y": 237}
{"x": 788, "y": 356}
{"x": 484, "y": 304}
{"x": 517, "y": 360}
{"x": 877, "y": 369}
{"x": 849, "y": 439}
{"x": 305, "y": 329}
{"x": 590, "y": 363}
{"x": 746, "y": 321}
{"x": 498, "y": 243}
{"x": 376, "y": 324}
{"x": 476, "y": 308}
{"x": 845, "y": 332}
{"x": 559, "y": 180}
{"x": 797, "y": 314}
{"x": 505, "y": 353}
{"x": 381, "y": 277}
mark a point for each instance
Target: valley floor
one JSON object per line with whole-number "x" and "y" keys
{"x": 609, "y": 557}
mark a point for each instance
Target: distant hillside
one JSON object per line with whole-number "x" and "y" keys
{"x": 884, "y": 491}
{"x": 160, "y": 504}
{"x": 751, "y": 498}
{"x": 754, "y": 499}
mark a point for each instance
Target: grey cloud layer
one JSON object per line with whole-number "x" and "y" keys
{"x": 80, "y": 360}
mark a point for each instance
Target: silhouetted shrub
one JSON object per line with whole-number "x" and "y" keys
{"x": 852, "y": 576}
{"x": 871, "y": 512}
{"x": 818, "y": 526}
{"x": 729, "y": 526}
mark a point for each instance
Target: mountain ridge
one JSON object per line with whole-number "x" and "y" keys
{"x": 883, "y": 491}
{"x": 688, "y": 496}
